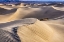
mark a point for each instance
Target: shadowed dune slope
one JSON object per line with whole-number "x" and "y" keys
{"x": 5, "y": 11}
{"x": 8, "y": 31}
{"x": 6, "y": 36}
{"x": 5, "y": 14}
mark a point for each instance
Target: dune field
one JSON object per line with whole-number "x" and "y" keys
{"x": 31, "y": 23}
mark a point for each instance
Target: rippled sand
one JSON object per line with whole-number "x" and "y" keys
{"x": 22, "y": 24}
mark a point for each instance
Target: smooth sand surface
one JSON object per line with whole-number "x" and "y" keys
{"x": 59, "y": 8}
{"x": 25, "y": 23}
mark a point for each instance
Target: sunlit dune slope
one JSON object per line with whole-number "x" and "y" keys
{"x": 58, "y": 8}
{"x": 5, "y": 14}
{"x": 39, "y": 32}
{"x": 22, "y": 12}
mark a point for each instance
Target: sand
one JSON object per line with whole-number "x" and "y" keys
{"x": 24, "y": 21}
{"x": 59, "y": 8}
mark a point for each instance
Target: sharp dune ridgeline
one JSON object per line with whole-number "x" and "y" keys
{"x": 31, "y": 23}
{"x": 40, "y": 32}
{"x": 9, "y": 30}
{"x": 35, "y": 32}
{"x": 41, "y": 12}
{"x": 59, "y": 8}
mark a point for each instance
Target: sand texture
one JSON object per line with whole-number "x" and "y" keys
{"x": 22, "y": 23}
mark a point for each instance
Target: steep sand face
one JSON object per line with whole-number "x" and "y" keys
{"x": 22, "y": 12}
{"x": 5, "y": 14}
{"x": 37, "y": 32}
{"x": 41, "y": 31}
{"x": 58, "y": 26}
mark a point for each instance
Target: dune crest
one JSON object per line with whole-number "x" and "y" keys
{"x": 41, "y": 12}
{"x": 31, "y": 29}
{"x": 59, "y": 8}
{"x": 22, "y": 12}
{"x": 9, "y": 30}
{"x": 38, "y": 32}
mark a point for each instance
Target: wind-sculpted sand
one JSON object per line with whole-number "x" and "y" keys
{"x": 22, "y": 24}
{"x": 31, "y": 30}
{"x": 58, "y": 8}
{"x": 41, "y": 12}
{"x": 37, "y": 32}
{"x": 8, "y": 31}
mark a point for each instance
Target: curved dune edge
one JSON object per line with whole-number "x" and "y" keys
{"x": 10, "y": 25}
{"x": 7, "y": 29}
{"x": 33, "y": 30}
{"x": 37, "y": 32}
{"x": 22, "y": 12}
{"x": 19, "y": 14}
{"x": 58, "y": 8}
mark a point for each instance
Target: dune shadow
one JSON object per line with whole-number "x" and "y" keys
{"x": 5, "y": 11}
{"x": 6, "y": 36}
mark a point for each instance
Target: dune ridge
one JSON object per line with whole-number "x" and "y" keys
{"x": 58, "y": 8}
{"x": 38, "y": 32}
{"x": 41, "y": 12}
{"x": 28, "y": 26}
{"x": 8, "y": 29}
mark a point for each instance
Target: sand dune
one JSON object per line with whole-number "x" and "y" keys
{"x": 41, "y": 32}
{"x": 59, "y": 8}
{"x": 41, "y": 12}
{"x": 8, "y": 29}
{"x": 35, "y": 32}
{"x": 44, "y": 12}
{"x": 6, "y": 7}
{"x": 28, "y": 26}
{"x": 5, "y": 11}
{"x": 32, "y": 30}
